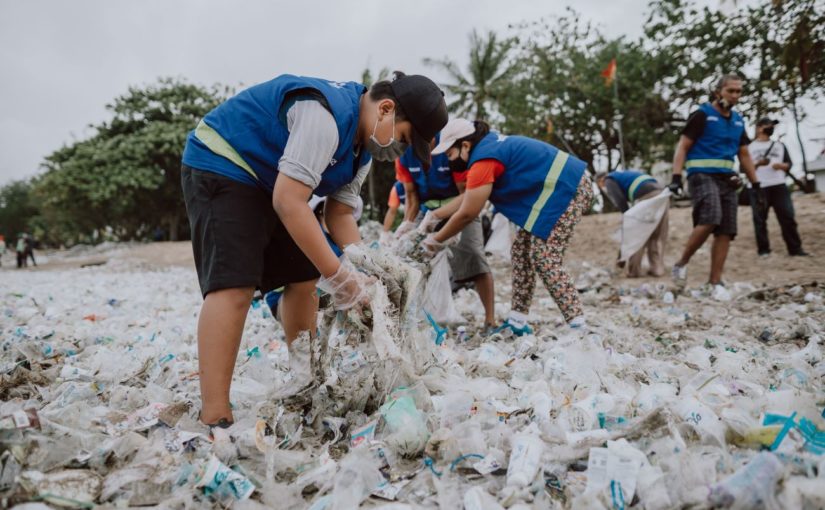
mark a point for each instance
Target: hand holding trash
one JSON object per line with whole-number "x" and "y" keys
{"x": 430, "y": 246}
{"x": 406, "y": 226}
{"x": 429, "y": 223}
{"x": 347, "y": 286}
{"x": 675, "y": 185}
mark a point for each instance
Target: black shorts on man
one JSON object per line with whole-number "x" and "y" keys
{"x": 237, "y": 238}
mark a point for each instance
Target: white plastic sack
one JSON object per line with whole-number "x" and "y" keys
{"x": 501, "y": 238}
{"x": 438, "y": 294}
{"x": 639, "y": 222}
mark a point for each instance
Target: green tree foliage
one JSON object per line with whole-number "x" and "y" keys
{"x": 17, "y": 210}
{"x": 486, "y": 80}
{"x": 124, "y": 181}
{"x": 557, "y": 93}
{"x": 777, "y": 46}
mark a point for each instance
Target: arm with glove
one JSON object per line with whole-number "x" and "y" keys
{"x": 679, "y": 158}
{"x": 471, "y": 205}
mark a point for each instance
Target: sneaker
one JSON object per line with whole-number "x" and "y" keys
{"x": 679, "y": 274}
{"x": 800, "y": 253}
{"x": 518, "y": 331}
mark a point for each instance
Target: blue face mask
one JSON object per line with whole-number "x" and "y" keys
{"x": 389, "y": 151}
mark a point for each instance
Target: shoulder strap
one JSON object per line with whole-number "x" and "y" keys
{"x": 769, "y": 150}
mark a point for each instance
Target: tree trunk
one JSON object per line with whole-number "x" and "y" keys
{"x": 799, "y": 139}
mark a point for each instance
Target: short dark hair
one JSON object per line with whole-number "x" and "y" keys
{"x": 383, "y": 90}
{"x": 724, "y": 79}
{"x": 482, "y": 130}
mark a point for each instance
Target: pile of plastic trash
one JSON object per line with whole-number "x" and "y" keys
{"x": 668, "y": 399}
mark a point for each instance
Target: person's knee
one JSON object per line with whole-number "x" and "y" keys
{"x": 236, "y": 299}
{"x": 301, "y": 289}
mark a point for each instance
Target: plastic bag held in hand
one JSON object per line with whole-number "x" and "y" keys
{"x": 431, "y": 247}
{"x": 406, "y": 226}
{"x": 347, "y": 286}
{"x": 429, "y": 223}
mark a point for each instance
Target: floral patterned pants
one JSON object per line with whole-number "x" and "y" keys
{"x": 533, "y": 256}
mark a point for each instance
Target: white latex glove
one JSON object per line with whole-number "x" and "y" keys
{"x": 385, "y": 238}
{"x": 406, "y": 226}
{"x": 347, "y": 286}
{"x": 431, "y": 247}
{"x": 429, "y": 223}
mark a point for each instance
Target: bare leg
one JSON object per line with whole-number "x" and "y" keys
{"x": 486, "y": 291}
{"x": 718, "y": 255}
{"x": 656, "y": 247}
{"x": 298, "y": 308}
{"x": 220, "y": 328}
{"x": 697, "y": 238}
{"x": 634, "y": 264}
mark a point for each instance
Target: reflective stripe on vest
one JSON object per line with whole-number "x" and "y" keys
{"x": 216, "y": 143}
{"x": 709, "y": 163}
{"x": 631, "y": 191}
{"x": 549, "y": 186}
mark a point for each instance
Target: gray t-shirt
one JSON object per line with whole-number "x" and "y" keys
{"x": 313, "y": 139}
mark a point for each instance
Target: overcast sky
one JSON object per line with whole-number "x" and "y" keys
{"x": 62, "y": 61}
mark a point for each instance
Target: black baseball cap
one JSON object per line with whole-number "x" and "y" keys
{"x": 767, "y": 121}
{"x": 424, "y": 106}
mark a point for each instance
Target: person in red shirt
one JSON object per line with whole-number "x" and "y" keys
{"x": 540, "y": 188}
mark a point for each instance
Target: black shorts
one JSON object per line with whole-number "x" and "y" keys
{"x": 237, "y": 238}
{"x": 715, "y": 202}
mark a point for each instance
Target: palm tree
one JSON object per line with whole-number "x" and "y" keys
{"x": 480, "y": 88}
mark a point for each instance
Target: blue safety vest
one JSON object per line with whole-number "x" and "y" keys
{"x": 715, "y": 150}
{"x": 401, "y": 192}
{"x": 244, "y": 138}
{"x": 538, "y": 183}
{"x": 434, "y": 184}
{"x": 629, "y": 181}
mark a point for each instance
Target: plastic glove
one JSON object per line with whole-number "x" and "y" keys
{"x": 384, "y": 238}
{"x": 429, "y": 223}
{"x": 406, "y": 226}
{"x": 431, "y": 247}
{"x": 675, "y": 185}
{"x": 346, "y": 286}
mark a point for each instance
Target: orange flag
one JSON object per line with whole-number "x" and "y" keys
{"x": 609, "y": 73}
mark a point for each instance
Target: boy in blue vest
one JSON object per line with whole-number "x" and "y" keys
{"x": 430, "y": 189}
{"x": 713, "y": 137}
{"x": 540, "y": 188}
{"x": 249, "y": 169}
{"x": 624, "y": 188}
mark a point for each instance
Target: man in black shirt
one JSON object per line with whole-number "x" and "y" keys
{"x": 713, "y": 138}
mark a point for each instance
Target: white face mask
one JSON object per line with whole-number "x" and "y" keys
{"x": 389, "y": 151}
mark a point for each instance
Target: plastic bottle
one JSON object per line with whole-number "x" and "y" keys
{"x": 752, "y": 486}
{"x": 525, "y": 458}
